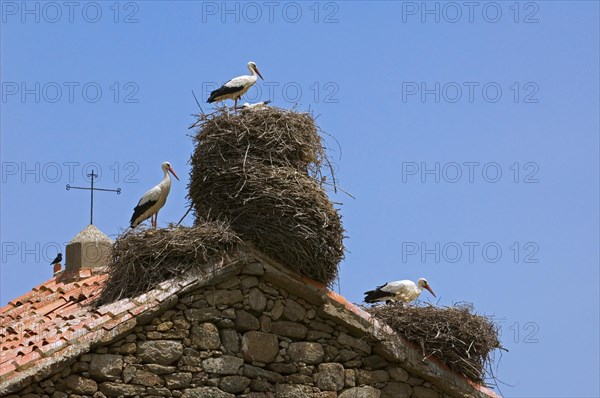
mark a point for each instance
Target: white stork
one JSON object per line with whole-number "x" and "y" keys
{"x": 405, "y": 291}
{"x": 153, "y": 200}
{"x": 257, "y": 105}
{"x": 236, "y": 87}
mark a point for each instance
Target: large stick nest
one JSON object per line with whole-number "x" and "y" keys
{"x": 260, "y": 170}
{"x": 144, "y": 258}
{"x": 266, "y": 135}
{"x": 461, "y": 339}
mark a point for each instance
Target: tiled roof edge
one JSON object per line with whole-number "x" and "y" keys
{"x": 387, "y": 343}
{"x": 155, "y": 301}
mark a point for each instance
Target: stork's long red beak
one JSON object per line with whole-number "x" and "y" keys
{"x": 175, "y": 175}
{"x": 258, "y": 73}
{"x": 430, "y": 291}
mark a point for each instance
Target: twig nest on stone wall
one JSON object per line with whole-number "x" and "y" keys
{"x": 261, "y": 172}
{"x": 461, "y": 339}
{"x": 145, "y": 257}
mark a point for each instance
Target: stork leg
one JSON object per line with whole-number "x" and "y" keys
{"x": 154, "y": 217}
{"x": 235, "y": 105}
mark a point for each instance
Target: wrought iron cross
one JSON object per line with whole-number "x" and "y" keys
{"x": 92, "y": 189}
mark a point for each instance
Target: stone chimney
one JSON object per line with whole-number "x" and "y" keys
{"x": 90, "y": 248}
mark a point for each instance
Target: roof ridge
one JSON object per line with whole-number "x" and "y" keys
{"x": 89, "y": 326}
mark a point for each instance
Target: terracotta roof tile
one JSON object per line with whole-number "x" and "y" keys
{"x": 116, "y": 308}
{"x": 63, "y": 289}
{"x": 54, "y": 346}
{"x": 70, "y": 310}
{"x": 140, "y": 308}
{"x": 76, "y": 294}
{"x": 85, "y": 273}
{"x": 91, "y": 336}
{"x": 56, "y": 315}
{"x": 115, "y": 322}
{"x": 97, "y": 321}
{"x": 22, "y": 361}
{"x": 6, "y": 367}
{"x": 50, "y": 307}
{"x": 6, "y": 308}
{"x": 89, "y": 301}
{"x": 162, "y": 295}
{"x": 16, "y": 312}
{"x": 144, "y": 298}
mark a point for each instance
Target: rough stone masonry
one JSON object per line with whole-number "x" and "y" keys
{"x": 244, "y": 337}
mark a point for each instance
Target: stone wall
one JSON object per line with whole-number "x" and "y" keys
{"x": 244, "y": 337}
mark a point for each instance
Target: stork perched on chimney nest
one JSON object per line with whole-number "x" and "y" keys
{"x": 236, "y": 87}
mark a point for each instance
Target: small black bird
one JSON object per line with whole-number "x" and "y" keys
{"x": 57, "y": 260}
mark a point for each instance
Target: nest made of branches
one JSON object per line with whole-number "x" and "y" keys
{"x": 283, "y": 212}
{"x": 260, "y": 171}
{"x": 144, "y": 258}
{"x": 268, "y": 135}
{"x": 462, "y": 339}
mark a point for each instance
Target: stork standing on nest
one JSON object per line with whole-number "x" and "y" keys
{"x": 236, "y": 87}
{"x": 405, "y": 291}
{"x": 153, "y": 200}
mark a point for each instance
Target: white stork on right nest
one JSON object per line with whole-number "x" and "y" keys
{"x": 404, "y": 291}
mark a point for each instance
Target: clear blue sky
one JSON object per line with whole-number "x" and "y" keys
{"x": 465, "y": 93}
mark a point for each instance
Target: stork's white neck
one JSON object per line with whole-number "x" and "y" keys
{"x": 166, "y": 177}
{"x": 252, "y": 71}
